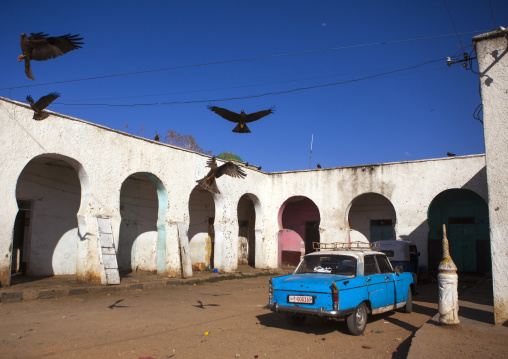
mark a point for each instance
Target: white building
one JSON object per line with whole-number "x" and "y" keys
{"x": 63, "y": 177}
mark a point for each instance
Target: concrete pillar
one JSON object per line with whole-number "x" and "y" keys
{"x": 492, "y": 55}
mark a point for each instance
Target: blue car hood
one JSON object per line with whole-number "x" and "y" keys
{"x": 308, "y": 282}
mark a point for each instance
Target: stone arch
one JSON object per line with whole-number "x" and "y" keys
{"x": 371, "y": 217}
{"x": 298, "y": 220}
{"x": 201, "y": 231}
{"x": 51, "y": 193}
{"x": 466, "y": 216}
{"x": 142, "y": 235}
{"x": 250, "y": 244}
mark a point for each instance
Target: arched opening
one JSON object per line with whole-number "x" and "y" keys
{"x": 141, "y": 242}
{"x": 466, "y": 217}
{"x": 371, "y": 217}
{"x": 299, "y": 228}
{"x": 201, "y": 230}
{"x": 45, "y": 235}
{"x": 246, "y": 231}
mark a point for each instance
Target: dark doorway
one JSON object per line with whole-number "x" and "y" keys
{"x": 21, "y": 237}
{"x": 311, "y": 235}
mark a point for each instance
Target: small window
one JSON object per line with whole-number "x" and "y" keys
{"x": 461, "y": 220}
{"x": 384, "y": 264}
{"x": 389, "y": 253}
{"x": 370, "y": 266}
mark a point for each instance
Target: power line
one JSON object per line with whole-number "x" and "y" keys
{"x": 259, "y": 95}
{"x": 245, "y": 86}
{"x": 492, "y": 13}
{"x": 454, "y": 28}
{"x": 243, "y": 59}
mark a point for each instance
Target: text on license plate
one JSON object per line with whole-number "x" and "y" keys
{"x": 301, "y": 299}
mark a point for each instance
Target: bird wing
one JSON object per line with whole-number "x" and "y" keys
{"x": 226, "y": 114}
{"x": 211, "y": 162}
{"x": 230, "y": 169}
{"x": 44, "y": 101}
{"x": 45, "y": 48}
{"x": 30, "y": 100}
{"x": 260, "y": 114}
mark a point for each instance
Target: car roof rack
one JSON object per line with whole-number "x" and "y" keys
{"x": 350, "y": 246}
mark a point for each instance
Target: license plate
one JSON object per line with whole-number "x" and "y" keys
{"x": 304, "y": 299}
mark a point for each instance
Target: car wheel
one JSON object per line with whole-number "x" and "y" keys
{"x": 408, "y": 308}
{"x": 357, "y": 321}
{"x": 296, "y": 320}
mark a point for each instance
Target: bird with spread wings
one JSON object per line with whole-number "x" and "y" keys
{"x": 40, "y": 105}
{"x": 229, "y": 168}
{"x": 241, "y": 118}
{"x": 40, "y": 47}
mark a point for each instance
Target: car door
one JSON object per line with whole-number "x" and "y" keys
{"x": 376, "y": 282}
{"x": 388, "y": 276}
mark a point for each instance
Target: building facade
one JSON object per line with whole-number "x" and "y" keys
{"x": 69, "y": 186}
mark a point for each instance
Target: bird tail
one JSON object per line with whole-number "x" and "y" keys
{"x": 209, "y": 186}
{"x": 241, "y": 128}
{"x": 28, "y": 69}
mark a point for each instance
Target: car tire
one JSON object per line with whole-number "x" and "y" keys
{"x": 408, "y": 308}
{"x": 357, "y": 321}
{"x": 296, "y": 320}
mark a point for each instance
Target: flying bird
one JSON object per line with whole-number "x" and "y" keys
{"x": 241, "y": 118}
{"x": 228, "y": 168}
{"x": 40, "y": 47}
{"x": 40, "y": 105}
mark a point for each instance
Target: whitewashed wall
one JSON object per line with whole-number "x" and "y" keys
{"x": 104, "y": 159}
{"x": 492, "y": 53}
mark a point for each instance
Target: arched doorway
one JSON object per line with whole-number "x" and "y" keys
{"x": 466, "y": 217}
{"x": 201, "y": 230}
{"x": 142, "y": 238}
{"x": 45, "y": 235}
{"x": 372, "y": 217}
{"x": 299, "y": 228}
{"x": 246, "y": 231}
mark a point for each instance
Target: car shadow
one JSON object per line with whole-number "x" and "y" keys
{"x": 313, "y": 325}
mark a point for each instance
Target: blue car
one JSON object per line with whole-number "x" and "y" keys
{"x": 344, "y": 282}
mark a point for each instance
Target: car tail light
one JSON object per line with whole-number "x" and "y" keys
{"x": 335, "y": 296}
{"x": 270, "y": 291}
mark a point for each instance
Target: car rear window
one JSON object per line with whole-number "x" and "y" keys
{"x": 328, "y": 264}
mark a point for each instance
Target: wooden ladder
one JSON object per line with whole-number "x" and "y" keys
{"x": 108, "y": 250}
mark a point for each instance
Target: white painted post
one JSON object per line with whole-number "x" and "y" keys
{"x": 448, "y": 282}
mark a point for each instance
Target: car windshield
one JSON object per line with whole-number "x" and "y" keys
{"x": 330, "y": 264}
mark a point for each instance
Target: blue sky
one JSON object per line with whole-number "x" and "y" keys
{"x": 420, "y": 113}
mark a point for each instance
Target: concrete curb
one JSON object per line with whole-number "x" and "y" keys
{"x": 45, "y": 293}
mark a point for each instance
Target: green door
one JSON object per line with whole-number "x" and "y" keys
{"x": 466, "y": 217}
{"x": 462, "y": 240}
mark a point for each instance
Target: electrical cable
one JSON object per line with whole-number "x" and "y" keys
{"x": 492, "y": 13}
{"x": 453, "y": 23}
{"x": 258, "y": 95}
{"x": 240, "y": 60}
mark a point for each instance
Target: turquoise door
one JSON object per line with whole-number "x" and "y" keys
{"x": 466, "y": 217}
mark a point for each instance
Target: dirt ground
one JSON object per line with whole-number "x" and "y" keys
{"x": 226, "y": 319}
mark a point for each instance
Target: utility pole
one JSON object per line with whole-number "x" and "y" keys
{"x": 310, "y": 157}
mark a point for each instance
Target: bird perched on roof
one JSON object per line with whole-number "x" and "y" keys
{"x": 241, "y": 118}
{"x": 228, "y": 168}
{"x": 449, "y": 154}
{"x": 156, "y": 138}
{"x": 40, "y": 105}
{"x": 318, "y": 165}
{"x": 40, "y": 47}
